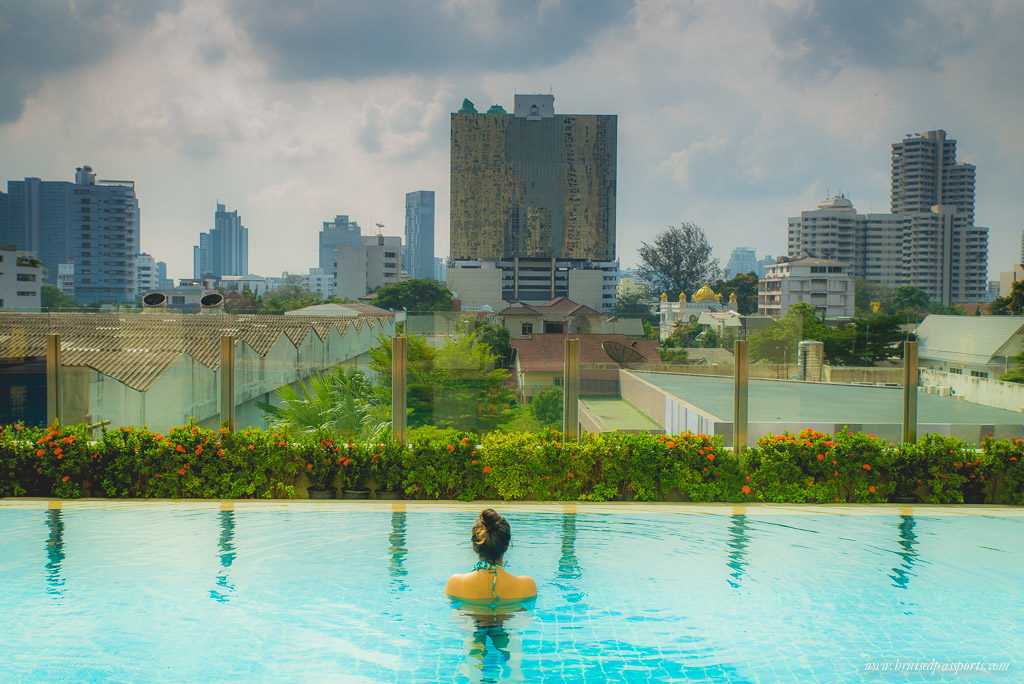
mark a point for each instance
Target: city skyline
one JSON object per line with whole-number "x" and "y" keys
{"x": 735, "y": 121}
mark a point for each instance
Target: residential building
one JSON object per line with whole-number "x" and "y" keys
{"x": 1008, "y": 278}
{"x": 340, "y": 231}
{"x": 258, "y": 285}
{"x": 362, "y": 268}
{"x": 539, "y": 361}
{"x": 419, "y": 234}
{"x": 871, "y": 245}
{"x": 533, "y": 197}
{"x": 94, "y": 223}
{"x": 161, "y": 275}
{"x": 560, "y": 315}
{"x": 945, "y": 255}
{"x": 147, "y": 279}
{"x": 66, "y": 278}
{"x": 925, "y": 173}
{"x": 21, "y": 280}
{"x": 742, "y": 260}
{"x": 823, "y": 284}
{"x": 976, "y": 346}
{"x": 319, "y": 281}
{"x": 224, "y": 250}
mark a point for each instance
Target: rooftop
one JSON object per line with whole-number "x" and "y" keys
{"x": 806, "y": 402}
{"x": 545, "y": 351}
{"x": 971, "y": 339}
{"x": 557, "y": 306}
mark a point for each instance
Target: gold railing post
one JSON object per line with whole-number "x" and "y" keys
{"x": 227, "y": 382}
{"x": 399, "y": 387}
{"x": 54, "y": 409}
{"x": 910, "y": 380}
{"x": 741, "y": 381}
{"x": 571, "y": 389}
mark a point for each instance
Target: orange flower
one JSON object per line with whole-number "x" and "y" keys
{"x": 821, "y": 457}
{"x": 199, "y": 449}
{"x": 487, "y": 469}
{"x": 570, "y": 476}
{"x": 747, "y": 478}
{"x": 181, "y": 471}
{"x": 746, "y": 489}
{"x": 472, "y": 453}
{"x": 465, "y": 440}
{"x": 220, "y": 452}
{"x": 347, "y": 461}
{"x": 251, "y": 447}
{"x": 558, "y": 445}
{"x": 280, "y": 443}
{"x": 866, "y": 466}
{"x": 65, "y": 478}
{"x": 58, "y": 451}
{"x": 223, "y": 430}
{"x": 309, "y": 466}
{"x": 472, "y": 463}
{"x": 40, "y": 452}
{"x": 871, "y": 489}
{"x": 1013, "y": 458}
{"x": 711, "y": 457}
{"x": 180, "y": 449}
{"x": 670, "y": 444}
{"x": 833, "y": 461}
{"x": 451, "y": 448}
{"x": 60, "y": 456}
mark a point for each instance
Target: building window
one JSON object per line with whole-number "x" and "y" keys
{"x": 979, "y": 374}
{"x": 527, "y": 329}
{"x": 26, "y": 294}
{"x": 957, "y": 371}
{"x": 27, "y": 277}
{"x": 558, "y": 381}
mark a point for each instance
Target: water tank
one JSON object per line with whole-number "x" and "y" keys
{"x": 810, "y": 357}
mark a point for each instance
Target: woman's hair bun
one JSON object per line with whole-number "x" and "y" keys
{"x": 490, "y": 518}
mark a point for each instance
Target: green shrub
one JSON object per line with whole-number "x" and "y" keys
{"x": 1004, "y": 470}
{"x": 443, "y": 464}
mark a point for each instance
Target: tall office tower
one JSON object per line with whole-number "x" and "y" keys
{"x": 871, "y": 245}
{"x": 4, "y": 211}
{"x": 94, "y": 223}
{"x": 335, "y": 233}
{"x": 925, "y": 174}
{"x": 419, "y": 234}
{"x": 161, "y": 275}
{"x": 224, "y": 250}
{"x": 532, "y": 205}
{"x": 742, "y": 260}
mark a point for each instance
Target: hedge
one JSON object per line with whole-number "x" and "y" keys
{"x": 190, "y": 462}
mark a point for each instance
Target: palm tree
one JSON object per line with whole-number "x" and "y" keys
{"x": 343, "y": 402}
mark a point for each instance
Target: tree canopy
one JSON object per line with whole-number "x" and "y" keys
{"x": 415, "y": 295}
{"x": 1012, "y": 303}
{"x": 744, "y": 286}
{"x": 52, "y": 299}
{"x": 679, "y": 260}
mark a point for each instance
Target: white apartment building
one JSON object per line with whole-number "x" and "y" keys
{"x": 320, "y": 281}
{"x": 66, "y": 278}
{"x": 146, "y": 277}
{"x": 361, "y": 269}
{"x": 871, "y": 245}
{"x": 824, "y": 284}
{"x": 21, "y": 280}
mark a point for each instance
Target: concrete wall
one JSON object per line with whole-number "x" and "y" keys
{"x": 995, "y": 393}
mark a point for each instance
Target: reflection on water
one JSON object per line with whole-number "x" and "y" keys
{"x": 226, "y": 546}
{"x": 55, "y": 552}
{"x": 398, "y": 550}
{"x": 902, "y": 573}
{"x": 737, "y": 543}
{"x": 497, "y": 663}
{"x": 569, "y": 570}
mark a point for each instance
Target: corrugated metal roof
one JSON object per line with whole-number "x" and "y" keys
{"x": 966, "y": 339}
{"x": 136, "y": 348}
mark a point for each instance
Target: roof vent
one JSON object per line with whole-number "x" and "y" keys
{"x": 212, "y": 303}
{"x": 154, "y": 302}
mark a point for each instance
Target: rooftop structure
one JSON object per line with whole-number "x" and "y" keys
{"x": 979, "y": 346}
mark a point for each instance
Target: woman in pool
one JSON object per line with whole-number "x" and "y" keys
{"x": 488, "y": 584}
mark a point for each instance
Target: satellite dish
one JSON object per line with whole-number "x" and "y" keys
{"x": 621, "y": 354}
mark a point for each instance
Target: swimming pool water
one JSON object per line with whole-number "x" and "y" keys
{"x": 166, "y": 594}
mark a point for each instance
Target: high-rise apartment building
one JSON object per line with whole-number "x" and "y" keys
{"x": 742, "y": 260}
{"x": 823, "y": 284}
{"x": 419, "y": 234}
{"x": 335, "y": 233}
{"x": 224, "y": 250}
{"x": 928, "y": 241}
{"x": 533, "y": 198}
{"x": 93, "y": 223}
{"x": 146, "y": 277}
{"x": 871, "y": 245}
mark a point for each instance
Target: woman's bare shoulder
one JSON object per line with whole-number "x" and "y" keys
{"x": 456, "y": 581}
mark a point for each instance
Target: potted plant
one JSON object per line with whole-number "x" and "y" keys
{"x": 322, "y": 467}
{"x": 386, "y": 469}
{"x": 353, "y": 471}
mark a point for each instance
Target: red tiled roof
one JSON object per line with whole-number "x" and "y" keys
{"x": 545, "y": 351}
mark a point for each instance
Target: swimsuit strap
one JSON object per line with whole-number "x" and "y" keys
{"x": 488, "y": 565}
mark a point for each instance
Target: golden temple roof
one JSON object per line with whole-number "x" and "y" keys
{"x": 705, "y": 293}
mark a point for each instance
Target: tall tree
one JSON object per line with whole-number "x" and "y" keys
{"x": 1012, "y": 303}
{"x": 744, "y": 286}
{"x": 415, "y": 295}
{"x": 679, "y": 260}
{"x": 52, "y": 299}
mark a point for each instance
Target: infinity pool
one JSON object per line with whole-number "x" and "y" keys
{"x": 189, "y": 592}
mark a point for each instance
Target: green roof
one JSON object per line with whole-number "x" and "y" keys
{"x": 618, "y": 414}
{"x": 808, "y": 402}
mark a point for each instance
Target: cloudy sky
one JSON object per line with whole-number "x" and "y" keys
{"x": 734, "y": 115}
